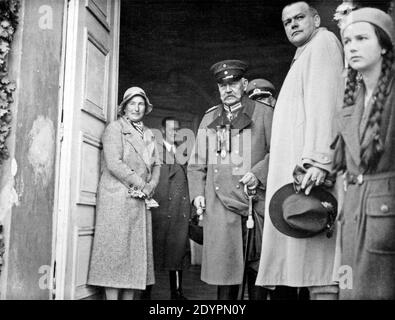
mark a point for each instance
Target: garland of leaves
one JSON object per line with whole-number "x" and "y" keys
{"x": 8, "y": 23}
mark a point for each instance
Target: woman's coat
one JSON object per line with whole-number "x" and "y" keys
{"x": 367, "y": 222}
{"x": 122, "y": 248}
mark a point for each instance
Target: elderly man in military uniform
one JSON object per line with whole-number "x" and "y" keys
{"x": 228, "y": 160}
{"x": 263, "y": 91}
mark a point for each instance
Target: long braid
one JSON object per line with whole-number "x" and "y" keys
{"x": 351, "y": 88}
{"x": 373, "y": 145}
{"x": 339, "y": 157}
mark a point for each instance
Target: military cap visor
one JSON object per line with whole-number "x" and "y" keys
{"x": 228, "y": 71}
{"x": 259, "y": 93}
{"x": 260, "y": 87}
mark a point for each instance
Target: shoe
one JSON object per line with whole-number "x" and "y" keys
{"x": 178, "y": 295}
{"x": 176, "y": 285}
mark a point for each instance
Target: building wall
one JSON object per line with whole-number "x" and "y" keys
{"x": 31, "y": 170}
{"x": 167, "y": 47}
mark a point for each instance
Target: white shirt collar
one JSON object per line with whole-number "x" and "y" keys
{"x": 169, "y": 147}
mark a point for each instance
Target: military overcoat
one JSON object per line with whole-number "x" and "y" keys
{"x": 216, "y": 176}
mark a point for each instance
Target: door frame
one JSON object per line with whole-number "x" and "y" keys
{"x": 59, "y": 287}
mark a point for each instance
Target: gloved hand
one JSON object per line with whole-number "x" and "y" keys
{"x": 199, "y": 202}
{"x": 148, "y": 190}
{"x": 250, "y": 180}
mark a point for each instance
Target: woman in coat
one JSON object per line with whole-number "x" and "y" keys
{"x": 122, "y": 255}
{"x": 364, "y": 151}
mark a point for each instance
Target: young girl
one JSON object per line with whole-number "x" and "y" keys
{"x": 364, "y": 151}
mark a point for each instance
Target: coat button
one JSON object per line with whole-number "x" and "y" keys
{"x": 170, "y": 198}
{"x": 384, "y": 208}
{"x": 216, "y": 170}
{"x": 217, "y": 188}
{"x": 169, "y": 217}
{"x": 237, "y": 187}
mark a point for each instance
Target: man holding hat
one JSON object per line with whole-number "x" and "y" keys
{"x": 263, "y": 91}
{"x": 302, "y": 134}
{"x": 229, "y": 160}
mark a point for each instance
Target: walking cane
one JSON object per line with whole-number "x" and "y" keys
{"x": 250, "y": 225}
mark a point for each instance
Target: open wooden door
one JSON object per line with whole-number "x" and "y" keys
{"x": 89, "y": 103}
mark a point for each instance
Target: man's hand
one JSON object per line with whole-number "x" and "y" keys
{"x": 314, "y": 177}
{"x": 199, "y": 202}
{"x": 250, "y": 180}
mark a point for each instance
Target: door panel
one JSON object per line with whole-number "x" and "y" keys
{"x": 89, "y": 105}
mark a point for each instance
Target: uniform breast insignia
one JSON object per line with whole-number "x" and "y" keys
{"x": 223, "y": 140}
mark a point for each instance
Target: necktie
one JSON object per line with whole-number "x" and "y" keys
{"x": 139, "y": 126}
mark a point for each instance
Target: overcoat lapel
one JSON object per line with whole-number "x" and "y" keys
{"x": 173, "y": 166}
{"x": 149, "y": 145}
{"x": 388, "y": 110}
{"x": 350, "y": 120}
{"x": 144, "y": 148}
{"x": 219, "y": 118}
{"x": 168, "y": 159}
{"x": 242, "y": 121}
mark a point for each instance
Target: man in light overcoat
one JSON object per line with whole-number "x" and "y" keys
{"x": 302, "y": 134}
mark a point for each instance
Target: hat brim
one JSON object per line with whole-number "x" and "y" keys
{"x": 276, "y": 209}
{"x": 265, "y": 93}
{"x": 148, "y": 105}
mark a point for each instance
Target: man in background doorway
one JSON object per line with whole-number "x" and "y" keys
{"x": 170, "y": 219}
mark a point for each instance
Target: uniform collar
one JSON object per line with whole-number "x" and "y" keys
{"x": 243, "y": 119}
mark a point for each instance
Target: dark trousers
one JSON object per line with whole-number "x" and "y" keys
{"x": 255, "y": 292}
{"x": 289, "y": 293}
{"x": 175, "y": 279}
{"x": 228, "y": 292}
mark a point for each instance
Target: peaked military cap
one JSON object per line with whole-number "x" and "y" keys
{"x": 258, "y": 87}
{"x": 229, "y": 70}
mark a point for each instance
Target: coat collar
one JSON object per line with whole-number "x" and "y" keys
{"x": 300, "y": 50}
{"x": 350, "y": 120}
{"x": 242, "y": 121}
{"x": 144, "y": 147}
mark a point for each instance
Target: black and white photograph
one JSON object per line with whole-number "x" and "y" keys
{"x": 204, "y": 153}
